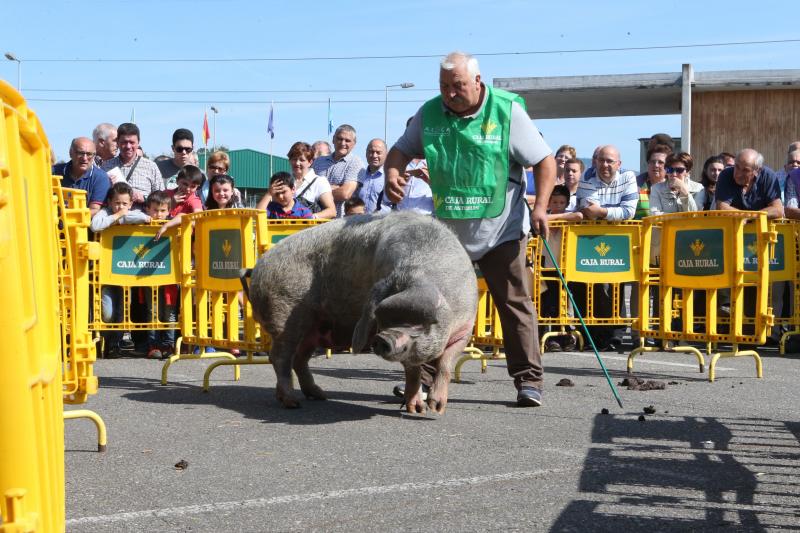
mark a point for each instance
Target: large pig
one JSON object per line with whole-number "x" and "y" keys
{"x": 400, "y": 284}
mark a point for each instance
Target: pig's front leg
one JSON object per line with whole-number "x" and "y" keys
{"x": 414, "y": 403}
{"x": 437, "y": 396}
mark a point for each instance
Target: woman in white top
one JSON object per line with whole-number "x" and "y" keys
{"x": 310, "y": 190}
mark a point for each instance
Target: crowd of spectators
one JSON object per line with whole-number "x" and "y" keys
{"x": 331, "y": 181}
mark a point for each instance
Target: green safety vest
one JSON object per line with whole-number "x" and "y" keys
{"x": 468, "y": 156}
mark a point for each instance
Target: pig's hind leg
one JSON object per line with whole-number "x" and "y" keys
{"x": 281, "y": 358}
{"x": 310, "y": 389}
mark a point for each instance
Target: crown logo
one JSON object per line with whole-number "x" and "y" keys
{"x": 752, "y": 248}
{"x": 226, "y": 248}
{"x": 697, "y": 247}
{"x": 140, "y": 250}
{"x": 488, "y": 127}
{"x": 602, "y": 249}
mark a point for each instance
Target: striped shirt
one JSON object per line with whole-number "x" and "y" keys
{"x": 619, "y": 197}
{"x": 338, "y": 172}
{"x": 145, "y": 178}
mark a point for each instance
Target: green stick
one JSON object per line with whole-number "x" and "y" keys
{"x": 585, "y": 329}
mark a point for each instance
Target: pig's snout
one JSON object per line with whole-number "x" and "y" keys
{"x": 390, "y": 344}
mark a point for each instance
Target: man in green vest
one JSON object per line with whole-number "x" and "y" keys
{"x": 477, "y": 141}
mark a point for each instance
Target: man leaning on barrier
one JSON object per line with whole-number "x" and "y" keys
{"x": 609, "y": 195}
{"x": 461, "y": 134}
{"x": 80, "y": 172}
{"x": 749, "y": 186}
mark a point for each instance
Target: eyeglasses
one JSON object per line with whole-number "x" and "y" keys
{"x": 88, "y": 155}
{"x": 675, "y": 170}
{"x": 183, "y": 149}
{"x": 217, "y": 168}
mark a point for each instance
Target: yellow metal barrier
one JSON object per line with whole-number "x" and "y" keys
{"x": 78, "y": 350}
{"x": 212, "y": 313}
{"x": 783, "y": 264}
{"x": 704, "y": 253}
{"x": 591, "y": 255}
{"x": 31, "y": 400}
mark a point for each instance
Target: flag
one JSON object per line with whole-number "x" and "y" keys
{"x": 270, "y": 126}
{"x": 330, "y": 122}
{"x": 206, "y": 133}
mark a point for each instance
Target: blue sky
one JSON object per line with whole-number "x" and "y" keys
{"x": 200, "y": 29}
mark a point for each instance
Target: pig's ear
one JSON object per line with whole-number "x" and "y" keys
{"x": 417, "y": 305}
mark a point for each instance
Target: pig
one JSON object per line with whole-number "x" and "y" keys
{"x": 400, "y": 284}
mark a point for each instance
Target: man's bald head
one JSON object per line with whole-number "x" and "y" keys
{"x": 81, "y": 153}
{"x": 608, "y": 162}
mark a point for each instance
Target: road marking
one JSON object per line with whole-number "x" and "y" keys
{"x": 648, "y": 361}
{"x": 313, "y": 496}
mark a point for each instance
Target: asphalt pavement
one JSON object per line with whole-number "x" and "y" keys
{"x": 722, "y": 456}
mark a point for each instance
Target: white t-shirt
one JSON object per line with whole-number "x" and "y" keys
{"x": 312, "y": 192}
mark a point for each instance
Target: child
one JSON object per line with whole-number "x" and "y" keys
{"x": 222, "y": 193}
{"x": 161, "y": 342}
{"x": 283, "y": 204}
{"x": 354, "y": 206}
{"x": 557, "y": 210}
{"x": 117, "y": 211}
{"x": 221, "y": 196}
{"x": 184, "y": 196}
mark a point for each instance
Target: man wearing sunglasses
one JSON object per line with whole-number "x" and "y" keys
{"x": 182, "y": 148}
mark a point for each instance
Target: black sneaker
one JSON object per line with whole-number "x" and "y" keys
{"x": 569, "y": 344}
{"x": 529, "y": 396}
{"x": 400, "y": 391}
{"x": 552, "y": 345}
{"x": 113, "y": 353}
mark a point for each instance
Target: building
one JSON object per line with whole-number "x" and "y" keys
{"x": 720, "y": 110}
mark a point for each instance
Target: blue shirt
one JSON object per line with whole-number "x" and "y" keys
{"x": 764, "y": 191}
{"x": 275, "y": 210}
{"x": 370, "y": 188}
{"x": 94, "y": 181}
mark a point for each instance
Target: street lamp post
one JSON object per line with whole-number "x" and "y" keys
{"x": 214, "y": 141}
{"x": 12, "y": 57}
{"x": 405, "y": 85}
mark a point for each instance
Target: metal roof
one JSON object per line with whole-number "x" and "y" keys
{"x": 250, "y": 168}
{"x": 618, "y": 95}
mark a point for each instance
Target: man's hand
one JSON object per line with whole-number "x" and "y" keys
{"x": 593, "y": 211}
{"x": 138, "y": 197}
{"x": 421, "y": 173}
{"x": 539, "y": 222}
{"x": 395, "y": 171}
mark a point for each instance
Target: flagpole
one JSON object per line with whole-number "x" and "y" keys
{"x": 329, "y": 125}
{"x": 272, "y": 135}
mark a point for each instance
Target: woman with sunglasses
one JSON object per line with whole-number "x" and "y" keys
{"x": 676, "y": 193}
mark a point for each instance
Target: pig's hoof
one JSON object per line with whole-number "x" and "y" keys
{"x": 415, "y": 405}
{"x": 437, "y": 405}
{"x": 288, "y": 402}
{"x": 314, "y": 393}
